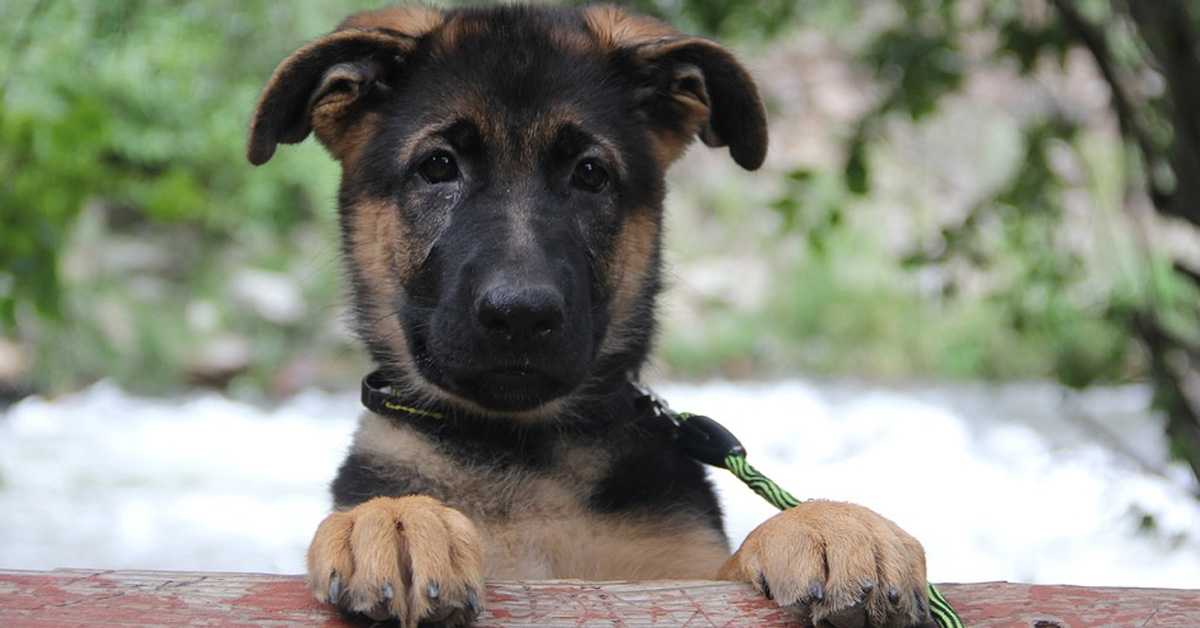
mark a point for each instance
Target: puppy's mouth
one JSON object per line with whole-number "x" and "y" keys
{"x": 507, "y": 387}
{"x": 511, "y": 389}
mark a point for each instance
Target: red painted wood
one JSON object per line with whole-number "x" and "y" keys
{"x": 132, "y": 598}
{"x": 996, "y": 604}
{"x": 138, "y": 598}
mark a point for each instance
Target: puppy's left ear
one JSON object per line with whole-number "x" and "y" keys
{"x": 689, "y": 87}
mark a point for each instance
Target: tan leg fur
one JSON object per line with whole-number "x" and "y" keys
{"x": 836, "y": 564}
{"x": 410, "y": 558}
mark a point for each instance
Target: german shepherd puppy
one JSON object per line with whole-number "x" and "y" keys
{"x": 501, "y": 213}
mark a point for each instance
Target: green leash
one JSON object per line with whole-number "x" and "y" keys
{"x": 709, "y": 442}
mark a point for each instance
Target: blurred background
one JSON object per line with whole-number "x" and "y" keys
{"x": 957, "y": 194}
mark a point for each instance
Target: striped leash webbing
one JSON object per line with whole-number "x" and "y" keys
{"x": 709, "y": 442}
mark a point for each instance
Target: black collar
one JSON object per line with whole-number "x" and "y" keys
{"x": 704, "y": 439}
{"x": 378, "y": 398}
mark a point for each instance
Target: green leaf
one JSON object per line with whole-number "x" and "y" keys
{"x": 856, "y": 171}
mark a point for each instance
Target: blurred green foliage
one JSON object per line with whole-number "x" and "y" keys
{"x": 129, "y": 214}
{"x": 135, "y": 112}
{"x": 1103, "y": 315}
{"x": 139, "y": 106}
{"x": 1028, "y": 285}
{"x": 122, "y": 124}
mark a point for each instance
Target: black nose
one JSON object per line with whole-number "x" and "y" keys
{"x": 520, "y": 315}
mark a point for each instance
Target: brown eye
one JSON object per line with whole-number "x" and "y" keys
{"x": 439, "y": 167}
{"x": 590, "y": 175}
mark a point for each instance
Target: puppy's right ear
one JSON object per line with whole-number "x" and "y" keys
{"x": 322, "y": 86}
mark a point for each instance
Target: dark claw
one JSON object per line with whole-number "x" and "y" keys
{"x": 921, "y": 603}
{"x": 894, "y": 596}
{"x": 473, "y": 602}
{"x": 389, "y": 591}
{"x": 764, "y": 587}
{"x": 335, "y": 588}
{"x": 867, "y": 586}
{"x": 433, "y": 590}
{"x": 816, "y": 590}
{"x": 852, "y": 616}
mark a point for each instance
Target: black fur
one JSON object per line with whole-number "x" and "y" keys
{"x": 651, "y": 476}
{"x": 574, "y": 229}
{"x": 501, "y": 206}
{"x": 501, "y": 211}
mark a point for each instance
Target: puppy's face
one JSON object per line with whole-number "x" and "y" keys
{"x": 503, "y": 184}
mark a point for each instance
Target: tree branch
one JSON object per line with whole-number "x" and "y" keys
{"x": 1093, "y": 39}
{"x": 1166, "y": 27}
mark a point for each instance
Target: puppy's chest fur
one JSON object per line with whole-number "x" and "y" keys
{"x": 613, "y": 506}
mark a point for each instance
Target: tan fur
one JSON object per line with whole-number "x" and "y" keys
{"x": 598, "y": 548}
{"x": 411, "y": 547}
{"x": 413, "y": 20}
{"x": 614, "y": 28}
{"x": 668, "y": 147}
{"x": 344, "y": 142}
{"x": 628, "y": 269}
{"x": 691, "y": 94}
{"x": 857, "y": 555}
{"x": 540, "y": 526}
{"x": 382, "y": 252}
{"x": 263, "y": 140}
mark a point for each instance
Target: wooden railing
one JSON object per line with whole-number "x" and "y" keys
{"x": 68, "y": 598}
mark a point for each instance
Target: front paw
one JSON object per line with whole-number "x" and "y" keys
{"x": 836, "y": 564}
{"x": 409, "y": 558}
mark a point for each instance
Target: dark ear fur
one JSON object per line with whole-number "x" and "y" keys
{"x": 694, "y": 87}
{"x": 333, "y": 74}
{"x": 705, "y": 74}
{"x": 337, "y": 68}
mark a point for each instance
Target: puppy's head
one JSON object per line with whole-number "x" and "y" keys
{"x": 502, "y": 185}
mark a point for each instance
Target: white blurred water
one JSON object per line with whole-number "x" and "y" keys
{"x": 1008, "y": 483}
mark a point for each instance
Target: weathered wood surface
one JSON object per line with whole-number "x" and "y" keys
{"x": 139, "y": 598}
